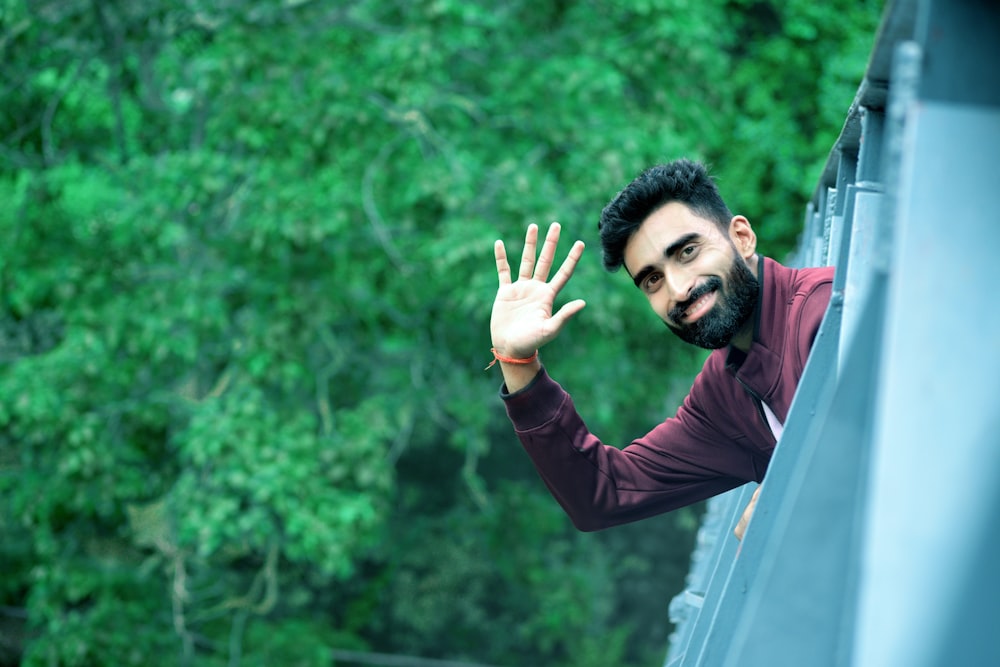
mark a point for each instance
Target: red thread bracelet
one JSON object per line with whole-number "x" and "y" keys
{"x": 509, "y": 360}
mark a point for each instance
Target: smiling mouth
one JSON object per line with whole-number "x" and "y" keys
{"x": 699, "y": 307}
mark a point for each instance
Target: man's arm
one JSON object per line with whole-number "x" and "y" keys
{"x": 522, "y": 320}
{"x": 682, "y": 460}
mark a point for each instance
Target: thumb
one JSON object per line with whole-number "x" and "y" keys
{"x": 567, "y": 311}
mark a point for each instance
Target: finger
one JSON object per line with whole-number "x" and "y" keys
{"x": 558, "y": 320}
{"x": 567, "y": 311}
{"x": 565, "y": 271}
{"x": 548, "y": 252}
{"x": 528, "y": 255}
{"x": 741, "y": 525}
{"x": 503, "y": 268}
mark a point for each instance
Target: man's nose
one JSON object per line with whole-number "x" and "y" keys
{"x": 679, "y": 283}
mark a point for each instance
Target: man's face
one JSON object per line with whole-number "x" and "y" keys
{"x": 693, "y": 275}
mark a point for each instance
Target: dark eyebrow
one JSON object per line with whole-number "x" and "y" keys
{"x": 671, "y": 250}
{"x": 674, "y": 247}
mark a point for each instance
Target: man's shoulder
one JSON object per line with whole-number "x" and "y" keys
{"x": 792, "y": 282}
{"x": 815, "y": 274}
{"x": 795, "y": 301}
{"x": 811, "y": 274}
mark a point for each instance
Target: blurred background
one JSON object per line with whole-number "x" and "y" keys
{"x": 246, "y": 275}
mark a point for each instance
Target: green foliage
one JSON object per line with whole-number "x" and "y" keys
{"x": 789, "y": 59}
{"x": 244, "y": 297}
{"x": 251, "y": 477}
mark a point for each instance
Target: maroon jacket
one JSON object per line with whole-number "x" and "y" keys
{"x": 719, "y": 438}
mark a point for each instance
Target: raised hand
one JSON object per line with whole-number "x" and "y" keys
{"x": 522, "y": 319}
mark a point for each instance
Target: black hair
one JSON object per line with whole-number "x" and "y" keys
{"x": 682, "y": 180}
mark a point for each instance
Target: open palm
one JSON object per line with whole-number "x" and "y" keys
{"x": 522, "y": 319}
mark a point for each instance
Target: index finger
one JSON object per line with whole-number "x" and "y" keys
{"x": 565, "y": 271}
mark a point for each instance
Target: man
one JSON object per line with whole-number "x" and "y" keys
{"x": 697, "y": 265}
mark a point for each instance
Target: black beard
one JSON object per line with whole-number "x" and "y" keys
{"x": 737, "y": 298}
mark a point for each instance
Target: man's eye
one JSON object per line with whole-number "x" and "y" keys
{"x": 651, "y": 282}
{"x": 688, "y": 251}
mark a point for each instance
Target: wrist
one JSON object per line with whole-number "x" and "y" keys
{"x": 512, "y": 360}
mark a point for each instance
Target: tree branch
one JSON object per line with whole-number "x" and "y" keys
{"x": 179, "y": 596}
{"x": 371, "y": 207}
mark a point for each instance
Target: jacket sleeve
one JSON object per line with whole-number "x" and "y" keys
{"x": 681, "y": 461}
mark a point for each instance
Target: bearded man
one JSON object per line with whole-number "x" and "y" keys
{"x": 697, "y": 265}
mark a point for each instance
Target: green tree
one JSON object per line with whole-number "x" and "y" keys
{"x": 244, "y": 299}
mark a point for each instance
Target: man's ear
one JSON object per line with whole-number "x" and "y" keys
{"x": 743, "y": 236}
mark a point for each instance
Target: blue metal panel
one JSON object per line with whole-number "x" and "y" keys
{"x": 858, "y": 257}
{"x": 685, "y": 607}
{"x": 937, "y": 458}
{"x": 964, "y": 37}
{"x": 870, "y": 145}
{"x": 715, "y": 552}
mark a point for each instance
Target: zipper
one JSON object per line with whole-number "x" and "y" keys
{"x": 758, "y": 401}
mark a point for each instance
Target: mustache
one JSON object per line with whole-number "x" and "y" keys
{"x": 712, "y": 284}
